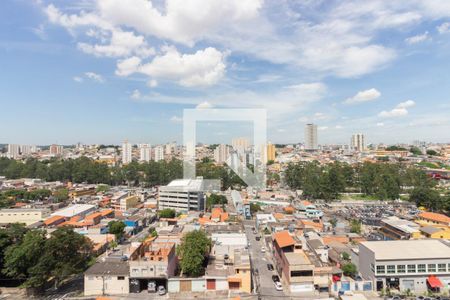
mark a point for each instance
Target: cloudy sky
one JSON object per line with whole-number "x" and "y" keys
{"x": 106, "y": 70}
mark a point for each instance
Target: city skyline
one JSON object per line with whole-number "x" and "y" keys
{"x": 105, "y": 74}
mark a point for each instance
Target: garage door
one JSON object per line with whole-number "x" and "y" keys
{"x": 408, "y": 284}
{"x": 211, "y": 284}
{"x": 299, "y": 288}
{"x": 185, "y": 286}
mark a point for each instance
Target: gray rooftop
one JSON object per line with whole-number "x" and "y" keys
{"x": 408, "y": 249}
{"x": 109, "y": 268}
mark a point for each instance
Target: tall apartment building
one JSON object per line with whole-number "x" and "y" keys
{"x": 182, "y": 195}
{"x": 13, "y": 151}
{"x": 159, "y": 153}
{"x": 145, "y": 151}
{"x": 240, "y": 144}
{"x": 56, "y": 149}
{"x": 127, "y": 149}
{"x": 26, "y": 150}
{"x": 221, "y": 153}
{"x": 270, "y": 152}
{"x": 358, "y": 142}
{"x": 311, "y": 142}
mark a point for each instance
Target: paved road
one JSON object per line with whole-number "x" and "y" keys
{"x": 263, "y": 281}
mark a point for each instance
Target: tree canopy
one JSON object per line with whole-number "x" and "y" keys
{"x": 193, "y": 251}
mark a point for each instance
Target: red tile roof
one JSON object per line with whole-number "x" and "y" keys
{"x": 283, "y": 239}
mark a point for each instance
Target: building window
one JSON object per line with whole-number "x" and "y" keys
{"x": 120, "y": 277}
{"x": 432, "y": 268}
{"x": 441, "y": 268}
{"x": 401, "y": 269}
{"x": 421, "y": 268}
{"x": 391, "y": 269}
{"x": 411, "y": 268}
{"x": 381, "y": 270}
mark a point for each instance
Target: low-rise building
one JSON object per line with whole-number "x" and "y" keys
{"x": 415, "y": 265}
{"x": 394, "y": 228}
{"x": 107, "y": 278}
{"x": 23, "y": 215}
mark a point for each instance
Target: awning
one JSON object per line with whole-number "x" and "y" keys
{"x": 231, "y": 279}
{"x": 434, "y": 282}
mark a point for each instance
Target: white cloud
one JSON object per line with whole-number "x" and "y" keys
{"x": 203, "y": 105}
{"x": 443, "y": 28}
{"x": 338, "y": 127}
{"x": 322, "y": 127}
{"x": 121, "y": 44}
{"x": 363, "y": 96}
{"x": 398, "y": 111}
{"x": 418, "y": 38}
{"x": 128, "y": 66}
{"x": 203, "y": 68}
{"x": 94, "y": 76}
{"x": 320, "y": 116}
{"x": 136, "y": 94}
{"x": 380, "y": 124}
{"x": 176, "y": 119}
{"x": 152, "y": 83}
{"x": 77, "y": 79}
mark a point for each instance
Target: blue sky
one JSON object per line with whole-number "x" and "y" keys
{"x": 108, "y": 70}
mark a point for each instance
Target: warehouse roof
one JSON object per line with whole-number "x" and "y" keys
{"x": 408, "y": 249}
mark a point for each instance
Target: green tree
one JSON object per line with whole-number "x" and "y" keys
{"x": 427, "y": 197}
{"x": 117, "y": 228}
{"x": 355, "y": 226}
{"x": 349, "y": 270}
{"x": 345, "y": 256}
{"x": 61, "y": 195}
{"x": 431, "y": 152}
{"x": 193, "y": 251}
{"x": 415, "y": 151}
{"x": 167, "y": 213}
{"x": 215, "y": 199}
{"x": 254, "y": 207}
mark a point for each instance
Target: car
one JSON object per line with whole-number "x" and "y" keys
{"x": 263, "y": 249}
{"x": 257, "y": 238}
{"x": 275, "y": 278}
{"x": 278, "y": 286}
{"x": 161, "y": 290}
{"x": 256, "y": 272}
{"x": 151, "y": 287}
{"x": 270, "y": 267}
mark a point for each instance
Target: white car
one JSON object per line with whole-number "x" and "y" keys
{"x": 278, "y": 286}
{"x": 263, "y": 249}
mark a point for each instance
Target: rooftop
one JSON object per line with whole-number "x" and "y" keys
{"x": 435, "y": 217}
{"x": 73, "y": 210}
{"x": 108, "y": 268}
{"x": 184, "y": 185}
{"x": 283, "y": 239}
{"x": 408, "y": 249}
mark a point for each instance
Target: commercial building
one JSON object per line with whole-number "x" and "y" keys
{"x": 433, "y": 219}
{"x": 23, "y": 215}
{"x": 127, "y": 149}
{"x": 358, "y": 142}
{"x": 107, "y": 278}
{"x": 56, "y": 150}
{"x": 394, "y": 228}
{"x": 125, "y": 203}
{"x": 75, "y": 210}
{"x": 415, "y": 265}
{"x": 293, "y": 265}
{"x": 311, "y": 142}
{"x": 182, "y": 195}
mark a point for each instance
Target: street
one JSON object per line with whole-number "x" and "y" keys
{"x": 263, "y": 283}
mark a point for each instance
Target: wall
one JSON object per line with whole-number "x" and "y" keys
{"x": 106, "y": 285}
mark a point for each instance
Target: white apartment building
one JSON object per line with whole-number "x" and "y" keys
{"x": 311, "y": 142}
{"x": 221, "y": 153}
{"x": 26, "y": 150}
{"x": 159, "y": 153}
{"x": 145, "y": 151}
{"x": 240, "y": 144}
{"x": 13, "y": 151}
{"x": 182, "y": 195}
{"x": 358, "y": 142}
{"x": 415, "y": 265}
{"x": 56, "y": 150}
{"x": 127, "y": 149}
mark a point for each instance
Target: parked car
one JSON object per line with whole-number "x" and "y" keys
{"x": 275, "y": 278}
{"x": 151, "y": 287}
{"x": 263, "y": 249}
{"x": 278, "y": 286}
{"x": 161, "y": 290}
{"x": 270, "y": 267}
